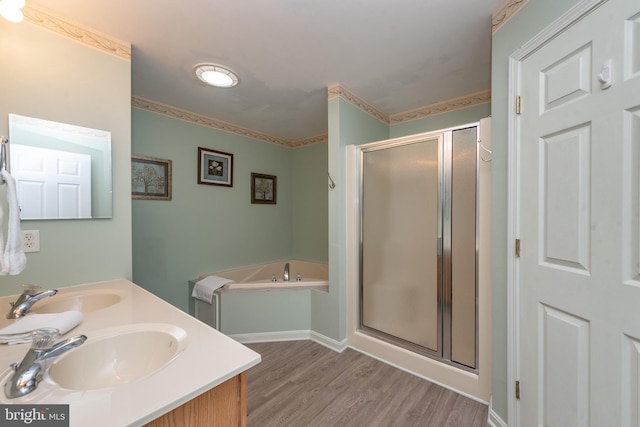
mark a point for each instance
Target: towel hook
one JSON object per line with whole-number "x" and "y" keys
{"x": 332, "y": 184}
{"x": 4, "y": 141}
{"x": 3, "y": 152}
{"x": 487, "y": 150}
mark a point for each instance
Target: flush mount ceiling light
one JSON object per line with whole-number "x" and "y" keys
{"x": 215, "y": 75}
{"x": 11, "y": 10}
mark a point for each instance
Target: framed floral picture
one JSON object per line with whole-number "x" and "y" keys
{"x": 150, "y": 178}
{"x": 215, "y": 167}
{"x": 264, "y": 188}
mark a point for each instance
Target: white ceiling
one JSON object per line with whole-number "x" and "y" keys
{"x": 396, "y": 55}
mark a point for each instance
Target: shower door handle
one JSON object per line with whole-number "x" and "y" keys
{"x": 439, "y": 244}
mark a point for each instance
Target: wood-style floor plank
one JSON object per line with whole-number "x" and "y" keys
{"x": 302, "y": 383}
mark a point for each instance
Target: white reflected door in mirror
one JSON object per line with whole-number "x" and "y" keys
{"x": 51, "y": 184}
{"x": 62, "y": 171}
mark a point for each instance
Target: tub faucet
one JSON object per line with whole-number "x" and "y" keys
{"x": 286, "y": 272}
{"x": 29, "y": 296}
{"x": 28, "y": 373}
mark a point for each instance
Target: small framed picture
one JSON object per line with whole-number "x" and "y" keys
{"x": 150, "y": 178}
{"x": 264, "y": 189}
{"x": 215, "y": 167}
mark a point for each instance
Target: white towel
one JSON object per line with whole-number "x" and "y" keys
{"x": 204, "y": 289}
{"x": 13, "y": 259}
{"x": 20, "y": 331}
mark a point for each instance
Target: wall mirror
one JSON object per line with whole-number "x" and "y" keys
{"x": 62, "y": 171}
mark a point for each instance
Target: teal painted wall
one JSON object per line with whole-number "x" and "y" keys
{"x": 40, "y": 77}
{"x": 531, "y": 19}
{"x": 347, "y": 125}
{"x": 206, "y": 228}
{"x": 441, "y": 121}
{"x": 310, "y": 205}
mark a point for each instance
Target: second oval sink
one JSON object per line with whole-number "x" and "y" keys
{"x": 120, "y": 357}
{"x": 85, "y": 301}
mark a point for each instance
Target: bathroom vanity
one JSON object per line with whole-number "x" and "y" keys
{"x": 144, "y": 362}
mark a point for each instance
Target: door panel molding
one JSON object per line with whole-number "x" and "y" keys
{"x": 567, "y": 20}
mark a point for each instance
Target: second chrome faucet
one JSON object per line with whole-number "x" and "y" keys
{"x": 29, "y": 296}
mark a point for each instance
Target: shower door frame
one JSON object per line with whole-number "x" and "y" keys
{"x": 444, "y": 244}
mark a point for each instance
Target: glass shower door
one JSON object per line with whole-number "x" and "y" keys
{"x": 400, "y": 255}
{"x": 418, "y": 260}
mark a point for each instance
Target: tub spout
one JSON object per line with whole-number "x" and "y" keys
{"x": 286, "y": 272}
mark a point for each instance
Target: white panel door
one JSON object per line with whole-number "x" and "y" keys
{"x": 51, "y": 183}
{"x": 579, "y": 225}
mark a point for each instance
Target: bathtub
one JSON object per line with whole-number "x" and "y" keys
{"x": 313, "y": 275}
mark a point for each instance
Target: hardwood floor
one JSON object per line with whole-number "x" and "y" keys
{"x": 302, "y": 383}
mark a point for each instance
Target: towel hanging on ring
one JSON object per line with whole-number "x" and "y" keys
{"x": 12, "y": 257}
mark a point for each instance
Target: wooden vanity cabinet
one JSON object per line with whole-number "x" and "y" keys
{"x": 222, "y": 406}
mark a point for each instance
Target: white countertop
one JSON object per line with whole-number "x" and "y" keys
{"x": 209, "y": 359}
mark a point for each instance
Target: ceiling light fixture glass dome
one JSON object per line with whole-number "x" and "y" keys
{"x": 11, "y": 10}
{"x": 216, "y": 75}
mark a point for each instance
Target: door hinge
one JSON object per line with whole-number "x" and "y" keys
{"x": 518, "y": 248}
{"x": 518, "y": 104}
{"x": 517, "y": 389}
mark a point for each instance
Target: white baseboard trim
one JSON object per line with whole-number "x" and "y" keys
{"x": 419, "y": 375}
{"x": 338, "y": 346}
{"x": 494, "y": 420}
{"x": 272, "y": 336}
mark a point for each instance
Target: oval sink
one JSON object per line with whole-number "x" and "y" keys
{"x": 85, "y": 301}
{"x": 120, "y": 357}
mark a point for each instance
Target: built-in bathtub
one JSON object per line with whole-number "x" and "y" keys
{"x": 311, "y": 275}
{"x": 278, "y": 309}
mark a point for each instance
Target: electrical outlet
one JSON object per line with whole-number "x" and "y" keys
{"x": 31, "y": 240}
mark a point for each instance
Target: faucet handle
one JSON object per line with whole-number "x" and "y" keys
{"x": 31, "y": 289}
{"x": 44, "y": 338}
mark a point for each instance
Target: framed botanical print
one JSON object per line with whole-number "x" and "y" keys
{"x": 264, "y": 188}
{"x": 215, "y": 167}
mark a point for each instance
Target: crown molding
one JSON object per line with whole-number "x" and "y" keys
{"x": 297, "y": 143}
{"x": 449, "y": 105}
{"x": 187, "y": 116}
{"x": 334, "y": 91}
{"x": 338, "y": 91}
{"x": 505, "y": 12}
{"x": 77, "y": 32}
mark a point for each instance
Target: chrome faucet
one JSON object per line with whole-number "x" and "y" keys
{"x": 28, "y": 373}
{"x": 29, "y": 296}
{"x": 286, "y": 272}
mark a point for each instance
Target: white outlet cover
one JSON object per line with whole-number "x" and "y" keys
{"x": 31, "y": 241}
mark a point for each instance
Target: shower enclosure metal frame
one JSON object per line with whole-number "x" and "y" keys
{"x": 444, "y": 138}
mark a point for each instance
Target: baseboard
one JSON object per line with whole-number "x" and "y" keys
{"x": 494, "y": 420}
{"x": 272, "y": 336}
{"x": 337, "y": 346}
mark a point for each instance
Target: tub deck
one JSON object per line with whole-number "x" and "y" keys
{"x": 314, "y": 275}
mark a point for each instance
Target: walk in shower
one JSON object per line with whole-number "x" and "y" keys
{"x": 418, "y": 244}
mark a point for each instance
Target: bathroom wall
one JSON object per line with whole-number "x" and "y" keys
{"x": 529, "y": 21}
{"x": 309, "y": 203}
{"x": 48, "y": 76}
{"x": 206, "y": 228}
{"x": 347, "y": 125}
